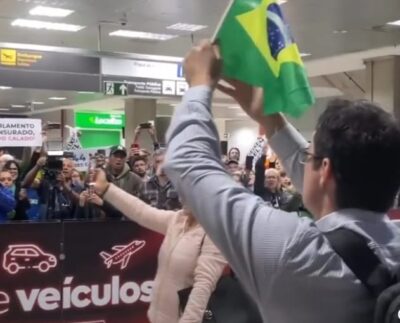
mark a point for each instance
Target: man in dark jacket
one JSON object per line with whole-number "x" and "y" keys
{"x": 119, "y": 173}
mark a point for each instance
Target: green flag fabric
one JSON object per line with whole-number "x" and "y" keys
{"x": 257, "y": 48}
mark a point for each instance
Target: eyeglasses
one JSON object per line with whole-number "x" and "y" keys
{"x": 306, "y": 156}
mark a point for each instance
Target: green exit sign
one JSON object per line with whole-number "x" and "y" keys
{"x": 115, "y": 88}
{"x": 99, "y": 120}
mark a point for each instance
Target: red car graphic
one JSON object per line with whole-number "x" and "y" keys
{"x": 27, "y": 256}
{"x": 122, "y": 254}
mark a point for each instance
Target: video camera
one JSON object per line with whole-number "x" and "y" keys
{"x": 54, "y": 164}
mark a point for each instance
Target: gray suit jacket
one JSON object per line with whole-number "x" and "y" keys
{"x": 284, "y": 261}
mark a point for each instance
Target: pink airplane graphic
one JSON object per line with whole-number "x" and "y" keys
{"x": 122, "y": 253}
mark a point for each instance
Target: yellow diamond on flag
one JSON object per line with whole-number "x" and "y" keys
{"x": 255, "y": 23}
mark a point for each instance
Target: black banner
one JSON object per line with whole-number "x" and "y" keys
{"x": 76, "y": 272}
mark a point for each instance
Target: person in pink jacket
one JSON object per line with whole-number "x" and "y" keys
{"x": 187, "y": 257}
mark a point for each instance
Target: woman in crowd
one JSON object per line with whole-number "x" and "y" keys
{"x": 19, "y": 193}
{"x": 14, "y": 169}
{"x": 7, "y": 200}
{"x": 234, "y": 154}
{"x": 187, "y": 257}
{"x": 4, "y": 159}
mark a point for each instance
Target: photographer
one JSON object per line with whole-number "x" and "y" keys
{"x": 58, "y": 194}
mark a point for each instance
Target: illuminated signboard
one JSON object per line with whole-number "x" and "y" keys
{"x": 99, "y": 121}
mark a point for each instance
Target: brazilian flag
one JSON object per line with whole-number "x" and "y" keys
{"x": 257, "y": 48}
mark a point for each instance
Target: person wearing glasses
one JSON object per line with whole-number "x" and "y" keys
{"x": 286, "y": 262}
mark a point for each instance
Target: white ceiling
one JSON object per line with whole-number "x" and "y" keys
{"x": 313, "y": 23}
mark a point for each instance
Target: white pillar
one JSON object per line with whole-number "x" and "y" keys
{"x": 139, "y": 111}
{"x": 383, "y": 79}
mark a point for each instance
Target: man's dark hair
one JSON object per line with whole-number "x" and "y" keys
{"x": 232, "y": 161}
{"x": 362, "y": 142}
{"x": 137, "y": 158}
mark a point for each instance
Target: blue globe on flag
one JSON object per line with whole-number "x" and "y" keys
{"x": 279, "y": 35}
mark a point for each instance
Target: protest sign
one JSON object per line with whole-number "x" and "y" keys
{"x": 20, "y": 132}
{"x": 82, "y": 157}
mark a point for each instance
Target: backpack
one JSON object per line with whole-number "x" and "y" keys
{"x": 381, "y": 283}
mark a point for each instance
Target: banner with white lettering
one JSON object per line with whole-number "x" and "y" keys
{"x": 20, "y": 132}
{"x": 76, "y": 272}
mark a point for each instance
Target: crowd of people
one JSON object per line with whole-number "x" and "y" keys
{"x": 36, "y": 193}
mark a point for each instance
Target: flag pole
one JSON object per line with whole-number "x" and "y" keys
{"x": 213, "y": 39}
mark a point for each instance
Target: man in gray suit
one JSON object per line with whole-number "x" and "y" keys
{"x": 285, "y": 262}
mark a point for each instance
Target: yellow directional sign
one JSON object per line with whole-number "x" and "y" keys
{"x": 8, "y": 57}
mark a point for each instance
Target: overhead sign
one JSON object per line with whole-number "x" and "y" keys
{"x": 149, "y": 87}
{"x": 99, "y": 120}
{"x": 20, "y": 132}
{"x": 12, "y": 57}
{"x": 46, "y": 275}
{"x": 114, "y": 88}
{"x": 142, "y": 69}
{"x": 24, "y": 68}
{"x": 48, "y": 61}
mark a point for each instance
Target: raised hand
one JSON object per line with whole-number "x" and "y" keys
{"x": 203, "y": 65}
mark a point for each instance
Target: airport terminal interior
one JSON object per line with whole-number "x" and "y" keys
{"x": 90, "y": 87}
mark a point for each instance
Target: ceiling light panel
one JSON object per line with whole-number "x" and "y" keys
{"x": 5, "y": 87}
{"x": 141, "y": 35}
{"x": 57, "y": 98}
{"x": 37, "y": 24}
{"x": 18, "y": 106}
{"x": 50, "y": 12}
{"x": 394, "y": 23}
{"x": 186, "y": 27}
